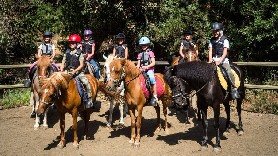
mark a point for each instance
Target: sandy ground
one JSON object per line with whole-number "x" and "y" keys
{"x": 19, "y": 138}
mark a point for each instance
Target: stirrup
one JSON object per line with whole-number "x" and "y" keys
{"x": 235, "y": 94}
{"x": 153, "y": 101}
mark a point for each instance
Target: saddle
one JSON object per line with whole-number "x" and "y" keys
{"x": 146, "y": 89}
{"x": 82, "y": 91}
{"x": 224, "y": 79}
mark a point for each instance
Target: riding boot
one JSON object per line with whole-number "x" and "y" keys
{"x": 153, "y": 101}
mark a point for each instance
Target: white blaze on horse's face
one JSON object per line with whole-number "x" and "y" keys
{"x": 46, "y": 91}
{"x": 190, "y": 56}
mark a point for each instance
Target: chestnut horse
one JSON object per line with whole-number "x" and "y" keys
{"x": 190, "y": 55}
{"x": 61, "y": 89}
{"x": 201, "y": 77}
{"x": 125, "y": 70}
{"x": 44, "y": 69}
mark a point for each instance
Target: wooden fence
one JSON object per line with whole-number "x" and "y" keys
{"x": 163, "y": 63}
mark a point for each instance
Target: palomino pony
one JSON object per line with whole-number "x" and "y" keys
{"x": 120, "y": 89}
{"x": 190, "y": 55}
{"x": 61, "y": 89}
{"x": 44, "y": 70}
{"x": 201, "y": 77}
{"x": 136, "y": 95}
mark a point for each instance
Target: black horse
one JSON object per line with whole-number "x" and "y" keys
{"x": 202, "y": 77}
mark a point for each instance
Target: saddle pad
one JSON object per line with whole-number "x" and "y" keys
{"x": 81, "y": 91}
{"x": 159, "y": 86}
{"x": 222, "y": 80}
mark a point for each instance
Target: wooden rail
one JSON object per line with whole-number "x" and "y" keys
{"x": 248, "y": 86}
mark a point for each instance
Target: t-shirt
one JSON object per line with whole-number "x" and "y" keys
{"x": 151, "y": 54}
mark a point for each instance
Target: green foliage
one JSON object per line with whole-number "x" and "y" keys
{"x": 15, "y": 97}
{"x": 263, "y": 101}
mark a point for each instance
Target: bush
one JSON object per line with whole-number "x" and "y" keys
{"x": 15, "y": 98}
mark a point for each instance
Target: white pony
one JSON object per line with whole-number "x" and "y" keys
{"x": 121, "y": 101}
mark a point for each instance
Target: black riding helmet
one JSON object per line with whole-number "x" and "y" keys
{"x": 216, "y": 26}
{"x": 120, "y": 36}
{"x": 187, "y": 32}
{"x": 47, "y": 33}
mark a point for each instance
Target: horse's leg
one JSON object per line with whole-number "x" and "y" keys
{"x": 227, "y": 110}
{"x": 110, "y": 120}
{"x": 74, "y": 127}
{"x": 122, "y": 114}
{"x": 187, "y": 111}
{"x": 216, "y": 126}
{"x": 204, "y": 143}
{"x": 165, "y": 116}
{"x": 62, "y": 127}
{"x": 86, "y": 114}
{"x": 158, "y": 123}
{"x": 32, "y": 104}
{"x": 37, "y": 118}
{"x": 132, "y": 117}
{"x": 45, "y": 125}
{"x": 240, "y": 125}
{"x": 138, "y": 125}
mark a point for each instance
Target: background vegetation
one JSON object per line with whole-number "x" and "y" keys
{"x": 250, "y": 25}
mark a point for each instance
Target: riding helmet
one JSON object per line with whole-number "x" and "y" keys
{"x": 120, "y": 36}
{"x": 88, "y": 32}
{"x": 216, "y": 26}
{"x": 47, "y": 33}
{"x": 144, "y": 40}
{"x": 187, "y": 32}
{"x": 74, "y": 38}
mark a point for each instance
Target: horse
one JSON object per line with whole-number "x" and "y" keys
{"x": 175, "y": 59}
{"x": 120, "y": 89}
{"x": 125, "y": 70}
{"x": 44, "y": 70}
{"x": 61, "y": 89}
{"x": 201, "y": 77}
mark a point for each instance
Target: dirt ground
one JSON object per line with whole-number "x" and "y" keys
{"x": 19, "y": 138}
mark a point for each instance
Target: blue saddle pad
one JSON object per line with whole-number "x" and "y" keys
{"x": 81, "y": 91}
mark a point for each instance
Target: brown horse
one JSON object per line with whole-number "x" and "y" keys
{"x": 125, "y": 70}
{"x": 190, "y": 55}
{"x": 61, "y": 89}
{"x": 44, "y": 69}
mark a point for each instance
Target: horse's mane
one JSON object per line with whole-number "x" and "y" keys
{"x": 196, "y": 70}
{"x": 43, "y": 61}
{"x": 58, "y": 80}
{"x": 131, "y": 68}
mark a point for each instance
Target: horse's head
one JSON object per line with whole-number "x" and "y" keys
{"x": 108, "y": 60}
{"x": 52, "y": 89}
{"x": 117, "y": 73}
{"x": 190, "y": 55}
{"x": 180, "y": 92}
{"x": 44, "y": 65}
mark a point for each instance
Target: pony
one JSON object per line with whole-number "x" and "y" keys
{"x": 125, "y": 70}
{"x": 120, "y": 89}
{"x": 201, "y": 77}
{"x": 190, "y": 55}
{"x": 61, "y": 89}
{"x": 44, "y": 70}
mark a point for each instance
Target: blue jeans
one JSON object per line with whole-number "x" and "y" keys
{"x": 93, "y": 62}
{"x": 150, "y": 73}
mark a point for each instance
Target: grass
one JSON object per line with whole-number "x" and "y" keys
{"x": 15, "y": 97}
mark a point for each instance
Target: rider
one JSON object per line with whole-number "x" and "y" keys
{"x": 88, "y": 49}
{"x": 187, "y": 43}
{"x": 73, "y": 62}
{"x": 120, "y": 49}
{"x": 146, "y": 63}
{"x": 218, "y": 52}
{"x": 45, "y": 48}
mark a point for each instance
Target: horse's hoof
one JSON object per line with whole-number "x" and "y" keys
{"x": 60, "y": 145}
{"x": 33, "y": 115}
{"x": 131, "y": 141}
{"x": 136, "y": 144}
{"x": 36, "y": 128}
{"x": 203, "y": 148}
{"x": 121, "y": 125}
{"x": 76, "y": 146}
{"x": 240, "y": 133}
{"x": 217, "y": 149}
{"x": 45, "y": 126}
{"x": 226, "y": 133}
